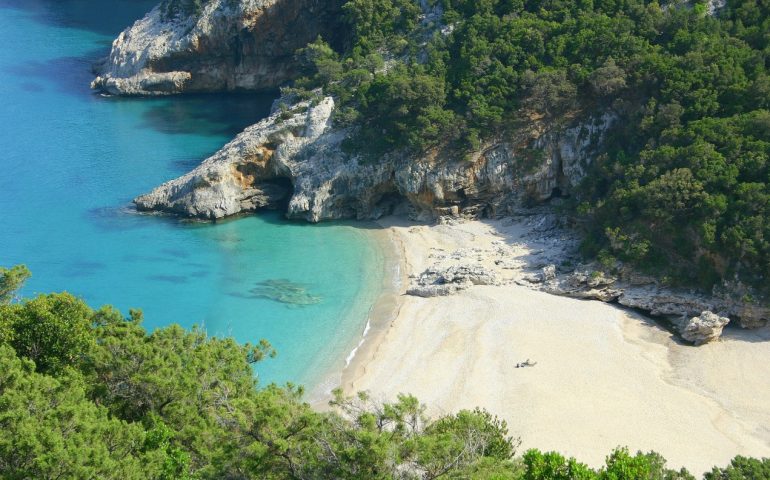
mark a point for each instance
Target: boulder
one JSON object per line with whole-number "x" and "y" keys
{"x": 441, "y": 281}
{"x": 548, "y": 273}
{"x": 704, "y": 328}
{"x": 428, "y": 291}
{"x": 584, "y": 283}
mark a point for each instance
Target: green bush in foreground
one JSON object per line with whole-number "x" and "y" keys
{"x": 93, "y": 395}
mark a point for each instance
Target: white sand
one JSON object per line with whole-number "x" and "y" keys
{"x": 604, "y": 377}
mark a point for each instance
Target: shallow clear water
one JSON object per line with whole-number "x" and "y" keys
{"x": 71, "y": 161}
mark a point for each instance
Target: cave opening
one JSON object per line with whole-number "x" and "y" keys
{"x": 282, "y": 190}
{"x": 389, "y": 203}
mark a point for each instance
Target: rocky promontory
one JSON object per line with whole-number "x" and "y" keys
{"x": 227, "y": 46}
{"x": 295, "y": 160}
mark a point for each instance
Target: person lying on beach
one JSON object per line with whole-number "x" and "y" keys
{"x": 527, "y": 363}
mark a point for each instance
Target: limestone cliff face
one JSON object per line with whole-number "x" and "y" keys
{"x": 295, "y": 159}
{"x": 230, "y": 45}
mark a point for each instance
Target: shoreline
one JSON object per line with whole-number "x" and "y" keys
{"x": 386, "y": 309}
{"x": 606, "y": 376}
{"x": 378, "y": 318}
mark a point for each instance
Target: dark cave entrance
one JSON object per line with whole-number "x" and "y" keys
{"x": 274, "y": 194}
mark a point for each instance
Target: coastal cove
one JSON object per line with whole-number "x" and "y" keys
{"x": 487, "y": 240}
{"x": 75, "y": 159}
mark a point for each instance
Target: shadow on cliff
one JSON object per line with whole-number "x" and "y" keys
{"x": 84, "y": 14}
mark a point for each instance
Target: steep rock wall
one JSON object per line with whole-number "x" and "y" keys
{"x": 230, "y": 45}
{"x": 303, "y": 149}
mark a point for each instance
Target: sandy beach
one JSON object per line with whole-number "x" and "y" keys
{"x": 603, "y": 377}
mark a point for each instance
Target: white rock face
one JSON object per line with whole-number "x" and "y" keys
{"x": 566, "y": 155}
{"x": 714, "y": 7}
{"x": 294, "y": 161}
{"x": 304, "y": 150}
{"x": 230, "y": 45}
{"x": 704, "y": 329}
{"x": 237, "y": 178}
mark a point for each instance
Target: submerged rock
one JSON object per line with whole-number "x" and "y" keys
{"x": 284, "y": 291}
{"x": 704, "y": 328}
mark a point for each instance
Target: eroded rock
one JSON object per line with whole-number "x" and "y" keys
{"x": 299, "y": 147}
{"x": 584, "y": 283}
{"x": 438, "y": 281}
{"x": 229, "y": 45}
{"x": 704, "y": 328}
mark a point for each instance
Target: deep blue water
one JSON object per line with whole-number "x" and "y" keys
{"x": 71, "y": 161}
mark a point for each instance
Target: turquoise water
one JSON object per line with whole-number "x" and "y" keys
{"x": 72, "y": 161}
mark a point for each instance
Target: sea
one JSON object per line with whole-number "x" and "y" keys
{"x": 71, "y": 161}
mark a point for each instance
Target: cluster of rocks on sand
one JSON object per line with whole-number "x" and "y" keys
{"x": 599, "y": 376}
{"x": 552, "y": 265}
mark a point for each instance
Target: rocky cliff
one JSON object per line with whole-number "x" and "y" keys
{"x": 228, "y": 45}
{"x": 295, "y": 158}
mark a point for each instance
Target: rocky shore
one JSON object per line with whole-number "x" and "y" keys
{"x": 294, "y": 160}
{"x": 250, "y": 45}
{"x": 552, "y": 265}
{"x": 299, "y": 147}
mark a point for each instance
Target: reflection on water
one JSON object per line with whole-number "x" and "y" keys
{"x": 69, "y": 75}
{"x": 176, "y": 279}
{"x": 82, "y": 268}
{"x": 175, "y": 252}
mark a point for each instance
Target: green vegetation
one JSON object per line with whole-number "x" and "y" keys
{"x": 682, "y": 187}
{"x": 90, "y": 394}
{"x": 11, "y": 281}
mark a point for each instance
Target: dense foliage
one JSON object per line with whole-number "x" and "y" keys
{"x": 682, "y": 188}
{"x": 90, "y": 394}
